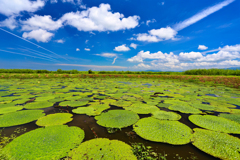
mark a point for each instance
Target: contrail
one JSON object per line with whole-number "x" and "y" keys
{"x": 213, "y": 50}
{"x": 33, "y": 43}
{"x": 197, "y": 17}
{"x": 114, "y": 60}
{"x": 38, "y": 54}
{"x": 26, "y": 55}
{"x": 36, "y": 51}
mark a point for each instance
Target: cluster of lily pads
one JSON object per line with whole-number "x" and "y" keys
{"x": 161, "y": 101}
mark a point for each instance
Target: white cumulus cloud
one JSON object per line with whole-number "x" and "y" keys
{"x": 191, "y": 56}
{"x": 122, "y": 48}
{"x": 86, "y": 49}
{"x": 77, "y": 49}
{"x": 39, "y": 35}
{"x": 99, "y": 19}
{"x": 108, "y": 55}
{"x": 10, "y": 22}
{"x": 202, "y": 47}
{"x": 133, "y": 45}
{"x": 14, "y": 7}
{"x": 41, "y": 22}
{"x": 60, "y": 41}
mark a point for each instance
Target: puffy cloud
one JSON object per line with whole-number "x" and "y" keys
{"x": 86, "y": 49}
{"x": 158, "y": 55}
{"x": 142, "y": 66}
{"x": 202, "y": 47}
{"x": 122, "y": 48}
{"x": 53, "y": 1}
{"x": 108, "y": 55}
{"x": 156, "y": 35}
{"x": 60, "y": 41}
{"x": 191, "y": 56}
{"x": 77, "y": 49}
{"x": 10, "y": 22}
{"x": 99, "y": 19}
{"x": 12, "y": 7}
{"x": 41, "y": 22}
{"x": 133, "y": 45}
{"x": 39, "y": 35}
{"x": 150, "y": 21}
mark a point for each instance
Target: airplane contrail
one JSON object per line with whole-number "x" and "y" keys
{"x": 32, "y": 43}
{"x": 114, "y": 60}
{"x": 27, "y": 55}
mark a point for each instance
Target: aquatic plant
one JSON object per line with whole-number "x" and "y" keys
{"x": 217, "y": 144}
{"x": 121, "y": 103}
{"x": 164, "y": 105}
{"x": 117, "y": 118}
{"x": 53, "y": 142}
{"x": 73, "y": 103}
{"x": 172, "y": 132}
{"x": 203, "y": 106}
{"x": 142, "y": 108}
{"x": 38, "y": 105}
{"x": 215, "y": 123}
{"x": 102, "y": 148}
{"x": 20, "y": 117}
{"x": 184, "y": 109}
{"x": 54, "y": 119}
{"x": 164, "y": 115}
{"x": 233, "y": 117}
{"x": 4, "y": 110}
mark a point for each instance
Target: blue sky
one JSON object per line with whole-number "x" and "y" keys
{"x": 166, "y": 35}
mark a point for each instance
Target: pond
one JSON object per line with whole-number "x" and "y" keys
{"x": 59, "y": 118}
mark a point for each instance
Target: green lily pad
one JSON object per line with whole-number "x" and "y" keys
{"x": 203, "y": 106}
{"x": 54, "y": 119}
{"x": 142, "y": 108}
{"x": 164, "y": 115}
{"x": 215, "y": 123}
{"x": 172, "y": 132}
{"x": 73, "y": 103}
{"x": 37, "y": 105}
{"x": 217, "y": 144}
{"x": 164, "y": 105}
{"x": 52, "y": 142}
{"x": 91, "y": 110}
{"x": 117, "y": 118}
{"x": 233, "y": 117}
{"x": 20, "y": 117}
{"x": 184, "y": 109}
{"x": 4, "y": 110}
{"x": 121, "y": 103}
{"x": 102, "y": 148}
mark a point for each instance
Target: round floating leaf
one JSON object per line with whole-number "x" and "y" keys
{"x": 203, "y": 106}
{"x": 52, "y": 142}
{"x": 184, "y": 109}
{"x": 91, "y": 110}
{"x": 142, "y": 108}
{"x": 4, "y": 110}
{"x": 54, "y": 119}
{"x": 102, "y": 148}
{"x": 73, "y": 103}
{"x": 37, "y": 105}
{"x": 164, "y": 105}
{"x": 73, "y": 98}
{"x": 233, "y": 117}
{"x": 45, "y": 98}
{"x": 215, "y": 123}
{"x": 164, "y": 115}
{"x": 121, "y": 103}
{"x": 217, "y": 144}
{"x": 56, "y": 100}
{"x": 172, "y": 132}
{"x": 117, "y": 118}
{"x": 235, "y": 111}
{"x": 20, "y": 117}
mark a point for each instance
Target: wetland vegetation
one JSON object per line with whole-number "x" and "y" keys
{"x": 119, "y": 116}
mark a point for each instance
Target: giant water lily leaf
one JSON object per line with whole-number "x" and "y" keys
{"x": 20, "y": 117}
{"x": 215, "y": 123}
{"x": 92, "y": 110}
{"x": 172, "y": 132}
{"x": 233, "y": 117}
{"x": 45, "y": 98}
{"x": 142, "y": 108}
{"x": 102, "y": 148}
{"x": 121, "y": 103}
{"x": 73, "y": 98}
{"x": 37, "y": 105}
{"x": 235, "y": 111}
{"x": 164, "y": 115}
{"x": 217, "y": 144}
{"x": 164, "y": 105}
{"x": 52, "y": 142}
{"x": 54, "y": 119}
{"x": 117, "y": 118}
{"x": 4, "y": 110}
{"x": 73, "y": 103}
{"x": 184, "y": 109}
{"x": 203, "y": 106}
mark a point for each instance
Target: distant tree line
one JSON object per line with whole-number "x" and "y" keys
{"x": 74, "y": 71}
